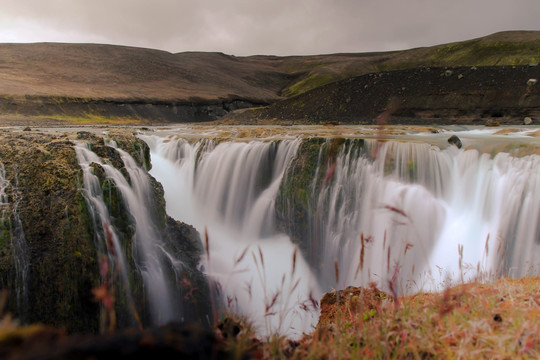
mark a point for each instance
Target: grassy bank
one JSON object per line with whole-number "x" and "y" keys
{"x": 498, "y": 320}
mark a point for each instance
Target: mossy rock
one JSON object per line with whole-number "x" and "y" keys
{"x": 137, "y": 148}
{"x": 109, "y": 154}
{"x": 62, "y": 267}
{"x": 303, "y": 181}
{"x": 63, "y": 251}
{"x": 180, "y": 240}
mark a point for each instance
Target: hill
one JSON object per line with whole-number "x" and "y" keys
{"x": 71, "y": 82}
{"x": 461, "y": 95}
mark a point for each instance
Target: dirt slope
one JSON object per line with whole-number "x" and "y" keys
{"x": 117, "y": 72}
{"x": 468, "y": 95}
{"x": 90, "y": 81}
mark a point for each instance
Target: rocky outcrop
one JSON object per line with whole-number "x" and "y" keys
{"x": 455, "y": 140}
{"x": 63, "y": 259}
{"x": 296, "y": 206}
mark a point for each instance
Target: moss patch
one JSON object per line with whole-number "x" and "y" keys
{"x": 312, "y": 81}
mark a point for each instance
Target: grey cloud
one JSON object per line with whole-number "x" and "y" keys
{"x": 280, "y": 27}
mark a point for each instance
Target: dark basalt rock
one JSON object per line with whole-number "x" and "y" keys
{"x": 454, "y": 140}
{"x": 461, "y": 95}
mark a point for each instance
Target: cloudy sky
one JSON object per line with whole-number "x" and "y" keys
{"x": 280, "y": 27}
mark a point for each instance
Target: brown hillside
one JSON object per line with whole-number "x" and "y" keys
{"x": 91, "y": 82}
{"x": 117, "y": 72}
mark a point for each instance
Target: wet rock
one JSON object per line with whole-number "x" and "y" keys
{"x": 109, "y": 154}
{"x": 27, "y": 128}
{"x": 98, "y": 171}
{"x": 454, "y": 140}
{"x": 63, "y": 256}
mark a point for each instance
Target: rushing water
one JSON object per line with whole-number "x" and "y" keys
{"x": 151, "y": 260}
{"x": 409, "y": 216}
{"x": 228, "y": 191}
{"x": 287, "y": 214}
{"x": 418, "y": 205}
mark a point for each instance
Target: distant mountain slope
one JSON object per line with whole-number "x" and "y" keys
{"x": 117, "y": 72}
{"x": 504, "y": 48}
{"x": 105, "y": 80}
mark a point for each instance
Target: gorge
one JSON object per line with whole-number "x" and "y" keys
{"x": 279, "y": 214}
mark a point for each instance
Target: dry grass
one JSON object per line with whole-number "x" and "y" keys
{"x": 92, "y": 119}
{"x": 499, "y": 320}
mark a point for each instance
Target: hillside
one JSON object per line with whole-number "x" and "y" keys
{"x": 461, "y": 95}
{"x": 117, "y": 72}
{"x": 504, "y": 48}
{"x": 106, "y": 83}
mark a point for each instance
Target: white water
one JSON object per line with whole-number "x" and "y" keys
{"x": 148, "y": 251}
{"x": 228, "y": 190}
{"x": 421, "y": 204}
{"x": 415, "y": 203}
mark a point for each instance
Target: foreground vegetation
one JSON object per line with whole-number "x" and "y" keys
{"x": 499, "y": 320}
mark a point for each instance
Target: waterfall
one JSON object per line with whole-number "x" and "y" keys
{"x": 417, "y": 206}
{"x": 11, "y": 229}
{"x": 148, "y": 253}
{"x": 227, "y": 190}
{"x": 408, "y": 216}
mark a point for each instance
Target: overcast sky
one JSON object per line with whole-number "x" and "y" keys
{"x": 279, "y": 27}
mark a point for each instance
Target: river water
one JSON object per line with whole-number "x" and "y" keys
{"x": 400, "y": 207}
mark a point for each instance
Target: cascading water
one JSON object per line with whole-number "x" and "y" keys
{"x": 406, "y": 215}
{"x": 415, "y": 206}
{"x": 149, "y": 254}
{"x": 11, "y": 229}
{"x": 228, "y": 191}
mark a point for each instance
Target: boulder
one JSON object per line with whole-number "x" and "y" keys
{"x": 454, "y": 140}
{"x": 527, "y": 121}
